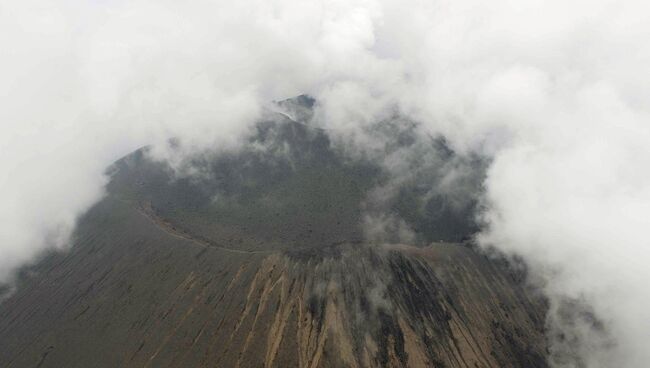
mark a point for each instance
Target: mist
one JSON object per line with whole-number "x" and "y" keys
{"x": 553, "y": 94}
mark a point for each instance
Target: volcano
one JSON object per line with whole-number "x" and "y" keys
{"x": 260, "y": 256}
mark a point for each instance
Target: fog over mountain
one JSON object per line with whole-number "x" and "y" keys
{"x": 550, "y": 96}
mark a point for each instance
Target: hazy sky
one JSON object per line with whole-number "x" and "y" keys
{"x": 557, "y": 93}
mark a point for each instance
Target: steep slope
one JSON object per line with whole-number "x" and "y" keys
{"x": 262, "y": 261}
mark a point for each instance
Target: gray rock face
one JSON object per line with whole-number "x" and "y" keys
{"x": 262, "y": 262}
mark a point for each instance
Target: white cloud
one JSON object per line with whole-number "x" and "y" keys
{"x": 555, "y": 92}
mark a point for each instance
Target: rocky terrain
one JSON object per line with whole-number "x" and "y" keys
{"x": 259, "y": 258}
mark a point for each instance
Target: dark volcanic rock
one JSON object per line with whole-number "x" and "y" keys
{"x": 261, "y": 262}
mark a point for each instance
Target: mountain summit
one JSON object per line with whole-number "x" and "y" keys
{"x": 265, "y": 256}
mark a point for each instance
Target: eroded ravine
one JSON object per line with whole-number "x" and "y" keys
{"x": 153, "y": 299}
{"x": 263, "y": 261}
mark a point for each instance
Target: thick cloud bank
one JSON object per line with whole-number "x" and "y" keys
{"x": 556, "y": 93}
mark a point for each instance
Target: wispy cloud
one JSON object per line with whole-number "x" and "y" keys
{"x": 554, "y": 93}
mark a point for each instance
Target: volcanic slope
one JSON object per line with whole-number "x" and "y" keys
{"x": 259, "y": 259}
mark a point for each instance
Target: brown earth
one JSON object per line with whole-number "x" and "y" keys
{"x": 132, "y": 293}
{"x": 261, "y": 260}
